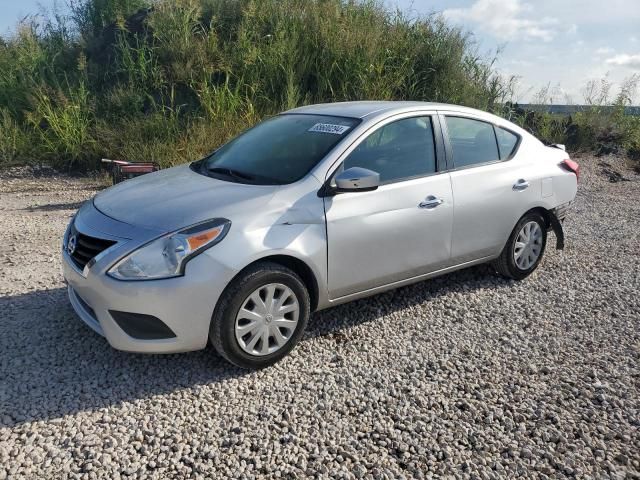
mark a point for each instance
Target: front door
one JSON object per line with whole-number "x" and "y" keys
{"x": 402, "y": 229}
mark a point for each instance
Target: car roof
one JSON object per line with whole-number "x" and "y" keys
{"x": 368, "y": 109}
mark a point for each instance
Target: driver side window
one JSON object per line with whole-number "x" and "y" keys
{"x": 400, "y": 150}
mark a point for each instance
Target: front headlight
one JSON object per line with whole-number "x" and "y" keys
{"x": 167, "y": 256}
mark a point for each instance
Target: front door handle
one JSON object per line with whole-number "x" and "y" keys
{"x": 431, "y": 202}
{"x": 521, "y": 184}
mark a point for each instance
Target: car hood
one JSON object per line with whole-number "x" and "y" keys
{"x": 178, "y": 197}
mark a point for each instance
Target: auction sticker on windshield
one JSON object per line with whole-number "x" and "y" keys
{"x": 329, "y": 128}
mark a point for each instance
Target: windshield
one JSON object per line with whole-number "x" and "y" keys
{"x": 278, "y": 151}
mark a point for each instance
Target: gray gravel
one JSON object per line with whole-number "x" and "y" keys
{"x": 468, "y": 375}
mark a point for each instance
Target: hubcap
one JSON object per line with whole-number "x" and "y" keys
{"x": 267, "y": 319}
{"x": 528, "y": 246}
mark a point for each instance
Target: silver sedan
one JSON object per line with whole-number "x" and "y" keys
{"x": 311, "y": 208}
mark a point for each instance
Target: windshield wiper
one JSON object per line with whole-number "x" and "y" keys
{"x": 230, "y": 172}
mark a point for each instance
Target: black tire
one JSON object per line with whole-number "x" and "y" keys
{"x": 505, "y": 264}
{"x": 222, "y": 328}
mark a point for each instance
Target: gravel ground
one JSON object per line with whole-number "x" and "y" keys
{"x": 468, "y": 375}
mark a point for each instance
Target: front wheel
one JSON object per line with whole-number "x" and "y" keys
{"x": 260, "y": 316}
{"x": 524, "y": 249}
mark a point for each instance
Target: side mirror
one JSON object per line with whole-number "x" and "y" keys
{"x": 357, "y": 179}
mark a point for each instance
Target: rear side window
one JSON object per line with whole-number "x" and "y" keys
{"x": 507, "y": 142}
{"x": 397, "y": 151}
{"x": 472, "y": 141}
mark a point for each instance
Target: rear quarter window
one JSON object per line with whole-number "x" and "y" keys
{"x": 507, "y": 142}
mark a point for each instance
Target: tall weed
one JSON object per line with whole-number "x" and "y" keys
{"x": 62, "y": 121}
{"x": 14, "y": 139}
{"x": 169, "y": 80}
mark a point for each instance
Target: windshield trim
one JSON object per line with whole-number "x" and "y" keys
{"x": 199, "y": 166}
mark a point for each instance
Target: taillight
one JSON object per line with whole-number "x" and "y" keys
{"x": 572, "y": 166}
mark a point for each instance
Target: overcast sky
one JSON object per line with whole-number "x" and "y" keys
{"x": 563, "y": 43}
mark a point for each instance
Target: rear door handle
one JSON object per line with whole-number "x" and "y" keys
{"x": 431, "y": 202}
{"x": 521, "y": 184}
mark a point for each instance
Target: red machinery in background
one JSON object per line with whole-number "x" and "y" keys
{"x": 122, "y": 170}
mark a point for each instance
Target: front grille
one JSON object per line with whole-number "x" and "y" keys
{"x": 86, "y": 247}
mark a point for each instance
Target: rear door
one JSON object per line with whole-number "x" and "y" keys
{"x": 491, "y": 187}
{"x": 402, "y": 229}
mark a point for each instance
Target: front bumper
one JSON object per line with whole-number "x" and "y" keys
{"x": 184, "y": 304}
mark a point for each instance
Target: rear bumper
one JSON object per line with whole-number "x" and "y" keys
{"x": 556, "y": 217}
{"x": 561, "y": 211}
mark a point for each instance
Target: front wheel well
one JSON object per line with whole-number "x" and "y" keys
{"x": 300, "y": 268}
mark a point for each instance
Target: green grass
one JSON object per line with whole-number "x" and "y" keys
{"x": 170, "y": 80}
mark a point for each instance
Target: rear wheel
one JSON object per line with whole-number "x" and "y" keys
{"x": 260, "y": 316}
{"x": 524, "y": 249}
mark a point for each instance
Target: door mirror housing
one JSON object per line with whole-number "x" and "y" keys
{"x": 356, "y": 179}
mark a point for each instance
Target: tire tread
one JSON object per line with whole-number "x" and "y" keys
{"x": 231, "y": 292}
{"x": 504, "y": 264}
